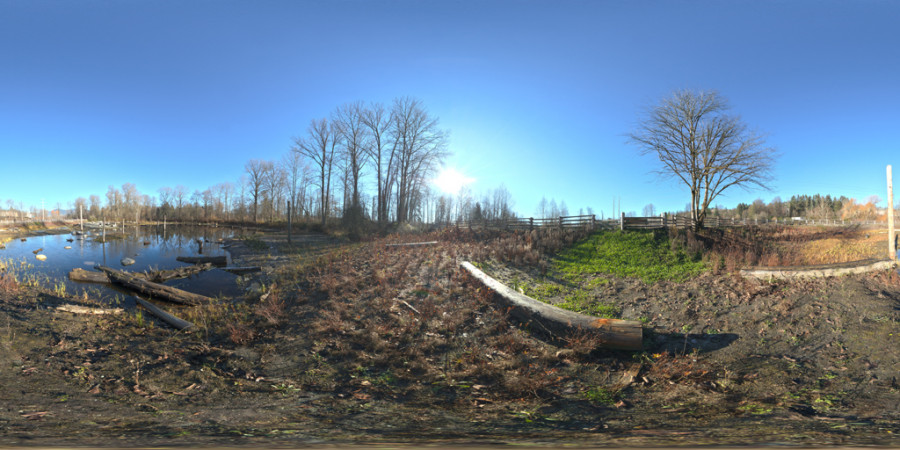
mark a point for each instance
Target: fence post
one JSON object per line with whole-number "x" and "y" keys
{"x": 622, "y": 222}
{"x": 593, "y": 222}
{"x": 530, "y": 223}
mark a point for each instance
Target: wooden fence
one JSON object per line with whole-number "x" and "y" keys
{"x": 638, "y": 223}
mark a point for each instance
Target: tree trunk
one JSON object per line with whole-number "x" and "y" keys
{"x": 557, "y": 322}
{"x": 154, "y": 290}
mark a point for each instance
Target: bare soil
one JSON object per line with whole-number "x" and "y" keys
{"x": 341, "y": 342}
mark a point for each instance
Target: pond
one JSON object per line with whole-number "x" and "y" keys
{"x": 151, "y": 248}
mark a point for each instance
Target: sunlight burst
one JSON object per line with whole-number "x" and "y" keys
{"x": 450, "y": 181}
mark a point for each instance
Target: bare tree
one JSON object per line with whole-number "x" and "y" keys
{"x": 421, "y": 147}
{"x": 297, "y": 173}
{"x": 179, "y": 194}
{"x": 319, "y": 148}
{"x": 708, "y": 150}
{"x": 256, "y": 174}
{"x": 542, "y": 208}
{"x": 649, "y": 210}
{"x": 348, "y": 120}
{"x": 382, "y": 152}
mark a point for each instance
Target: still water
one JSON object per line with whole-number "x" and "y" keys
{"x": 151, "y": 248}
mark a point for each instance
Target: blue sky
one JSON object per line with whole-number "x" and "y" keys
{"x": 537, "y": 95}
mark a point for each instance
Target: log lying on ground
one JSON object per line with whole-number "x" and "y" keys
{"x": 166, "y": 317}
{"x": 78, "y": 309}
{"x": 412, "y": 244}
{"x": 242, "y": 270}
{"x": 558, "y": 322}
{"x": 154, "y": 290}
{"x": 159, "y": 276}
{"x": 88, "y": 276}
{"x": 156, "y": 276}
{"x": 218, "y": 261}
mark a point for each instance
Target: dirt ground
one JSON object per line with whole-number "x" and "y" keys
{"x": 341, "y": 342}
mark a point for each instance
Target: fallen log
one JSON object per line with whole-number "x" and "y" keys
{"x": 159, "y": 276}
{"x": 154, "y": 290}
{"x": 78, "y": 309}
{"x": 558, "y": 322}
{"x": 242, "y": 270}
{"x": 88, "y": 276}
{"x": 166, "y": 317}
{"x": 412, "y": 244}
{"x": 218, "y": 261}
{"x": 156, "y": 276}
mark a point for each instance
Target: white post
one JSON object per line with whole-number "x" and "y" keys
{"x": 622, "y": 222}
{"x": 81, "y": 219}
{"x": 892, "y": 251}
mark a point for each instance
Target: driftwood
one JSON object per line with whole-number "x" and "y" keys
{"x": 159, "y": 276}
{"x": 154, "y": 290}
{"x": 78, "y": 309}
{"x": 558, "y": 322}
{"x": 242, "y": 270}
{"x": 156, "y": 276}
{"x": 412, "y": 244}
{"x": 88, "y": 276}
{"x": 218, "y": 261}
{"x": 166, "y": 317}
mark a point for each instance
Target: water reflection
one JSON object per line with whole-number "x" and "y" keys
{"x": 151, "y": 247}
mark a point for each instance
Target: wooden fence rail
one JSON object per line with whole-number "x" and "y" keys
{"x": 639, "y": 223}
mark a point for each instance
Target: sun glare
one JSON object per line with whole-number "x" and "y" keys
{"x": 450, "y": 181}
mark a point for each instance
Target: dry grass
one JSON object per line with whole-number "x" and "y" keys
{"x": 732, "y": 249}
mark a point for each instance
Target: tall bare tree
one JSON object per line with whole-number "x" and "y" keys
{"x": 256, "y": 178}
{"x": 179, "y": 194}
{"x": 319, "y": 148}
{"x": 349, "y": 123}
{"x": 708, "y": 150}
{"x": 421, "y": 146}
{"x": 382, "y": 152}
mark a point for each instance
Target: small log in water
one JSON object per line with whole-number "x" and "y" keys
{"x": 218, "y": 261}
{"x": 176, "y": 322}
{"x": 154, "y": 290}
{"x": 159, "y": 276}
{"x": 88, "y": 276}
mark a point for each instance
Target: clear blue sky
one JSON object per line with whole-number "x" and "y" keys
{"x": 538, "y": 95}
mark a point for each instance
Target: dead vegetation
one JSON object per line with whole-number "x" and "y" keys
{"x": 730, "y": 249}
{"x": 396, "y": 343}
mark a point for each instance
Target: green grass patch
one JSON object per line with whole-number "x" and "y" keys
{"x": 578, "y": 300}
{"x": 601, "y": 396}
{"x": 638, "y": 254}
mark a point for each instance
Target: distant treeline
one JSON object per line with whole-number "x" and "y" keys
{"x": 805, "y": 206}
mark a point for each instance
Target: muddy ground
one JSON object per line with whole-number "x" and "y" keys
{"x": 358, "y": 342}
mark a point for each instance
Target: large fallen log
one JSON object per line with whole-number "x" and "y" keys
{"x": 558, "y": 322}
{"x": 218, "y": 261}
{"x": 154, "y": 290}
{"x": 166, "y": 317}
{"x": 156, "y": 276}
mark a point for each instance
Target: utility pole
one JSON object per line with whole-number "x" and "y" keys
{"x": 892, "y": 249}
